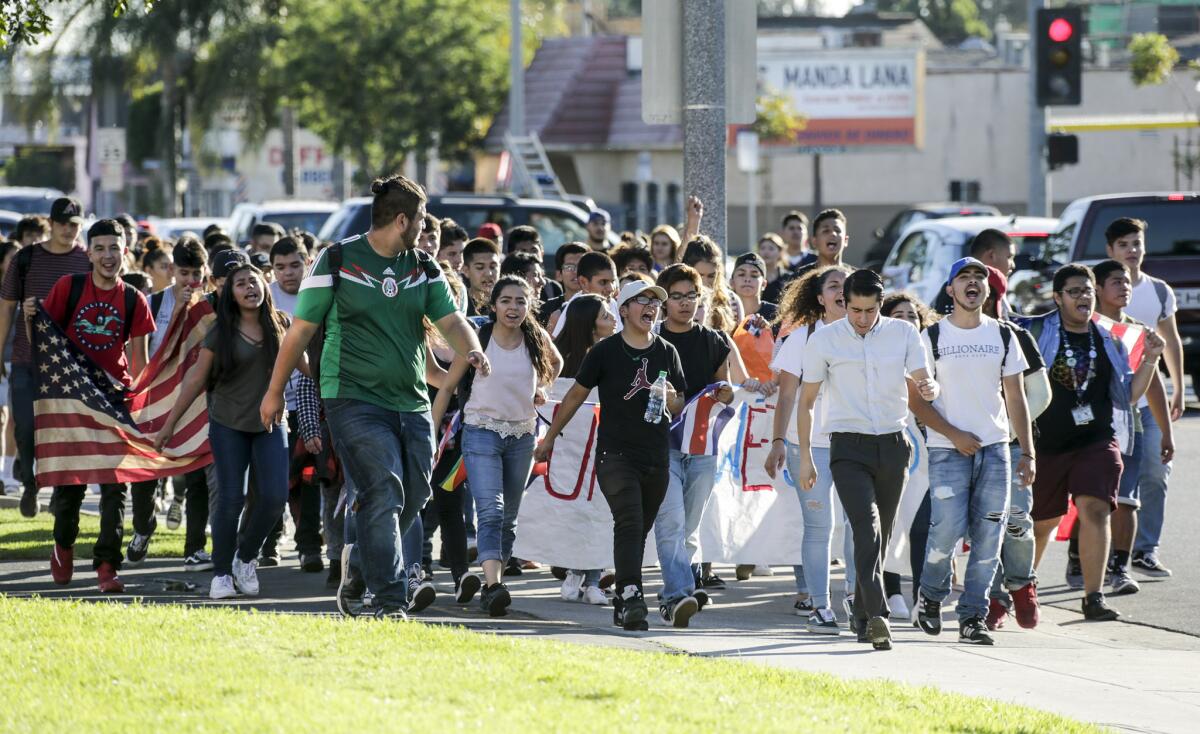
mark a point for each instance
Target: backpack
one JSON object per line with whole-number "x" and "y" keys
{"x": 156, "y": 300}
{"x": 24, "y": 263}
{"x": 933, "y": 331}
{"x": 1162, "y": 290}
{"x": 79, "y": 282}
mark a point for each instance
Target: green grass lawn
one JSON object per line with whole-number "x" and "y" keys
{"x": 106, "y": 667}
{"x": 23, "y": 538}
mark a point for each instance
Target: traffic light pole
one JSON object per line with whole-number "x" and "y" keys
{"x": 1039, "y": 204}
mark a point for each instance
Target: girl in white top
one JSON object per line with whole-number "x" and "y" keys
{"x": 498, "y": 424}
{"x": 808, "y": 304}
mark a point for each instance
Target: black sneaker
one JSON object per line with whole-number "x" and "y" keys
{"x": 513, "y": 568}
{"x": 848, "y": 608}
{"x": 974, "y": 631}
{"x": 311, "y": 563}
{"x": 862, "y": 635}
{"x": 822, "y": 622}
{"x": 929, "y": 615}
{"x": 139, "y": 545}
{"x": 334, "y": 579}
{"x": 1146, "y": 563}
{"x": 633, "y": 610}
{"x": 712, "y": 581}
{"x": 702, "y": 598}
{"x": 495, "y": 600}
{"x": 466, "y": 588}
{"x": 678, "y": 612}
{"x": 1097, "y": 609}
{"x": 558, "y": 572}
{"x": 391, "y": 612}
{"x": 1074, "y": 574}
{"x": 29, "y": 502}
{"x": 420, "y": 594}
{"x": 269, "y": 558}
{"x": 879, "y": 633}
{"x": 351, "y": 586}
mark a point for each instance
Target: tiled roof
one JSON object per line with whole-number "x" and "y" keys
{"x": 578, "y": 93}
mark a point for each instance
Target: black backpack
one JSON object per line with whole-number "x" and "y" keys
{"x": 79, "y": 282}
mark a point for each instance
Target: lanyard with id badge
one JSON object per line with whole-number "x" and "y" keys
{"x": 1083, "y": 370}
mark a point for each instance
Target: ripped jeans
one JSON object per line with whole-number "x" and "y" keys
{"x": 1016, "y": 551}
{"x": 968, "y": 499}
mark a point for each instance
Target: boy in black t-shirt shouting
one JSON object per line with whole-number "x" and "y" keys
{"x": 632, "y": 453}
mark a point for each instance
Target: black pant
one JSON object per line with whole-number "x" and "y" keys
{"x": 67, "y": 501}
{"x": 869, "y": 473}
{"x": 193, "y": 487}
{"x": 634, "y": 489}
{"x": 445, "y": 511}
{"x": 918, "y": 538}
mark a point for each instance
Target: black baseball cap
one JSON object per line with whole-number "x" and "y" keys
{"x": 260, "y": 261}
{"x": 66, "y": 210}
{"x": 751, "y": 258}
{"x": 227, "y": 261}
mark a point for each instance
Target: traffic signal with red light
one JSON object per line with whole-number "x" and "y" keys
{"x": 1058, "y": 56}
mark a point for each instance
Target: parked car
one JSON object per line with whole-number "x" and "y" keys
{"x": 290, "y": 214}
{"x": 921, "y": 260}
{"x": 1172, "y": 253}
{"x": 172, "y": 228}
{"x": 557, "y": 221}
{"x": 28, "y": 199}
{"x": 886, "y": 237}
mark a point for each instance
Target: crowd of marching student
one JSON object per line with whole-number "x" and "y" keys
{"x": 345, "y": 381}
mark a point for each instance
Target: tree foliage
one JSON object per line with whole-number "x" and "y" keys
{"x": 776, "y": 120}
{"x": 1151, "y": 59}
{"x": 378, "y": 83}
{"x": 952, "y": 21}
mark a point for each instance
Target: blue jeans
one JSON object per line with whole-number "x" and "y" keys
{"x": 670, "y": 530}
{"x": 969, "y": 498}
{"x": 1152, "y": 485}
{"x": 697, "y": 476}
{"x": 233, "y": 452}
{"x": 497, "y": 472}
{"x": 1129, "y": 490}
{"x": 1017, "y": 548}
{"x": 817, "y": 506}
{"x": 412, "y": 548}
{"x": 388, "y": 456}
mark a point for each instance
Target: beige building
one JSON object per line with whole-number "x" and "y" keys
{"x": 583, "y": 97}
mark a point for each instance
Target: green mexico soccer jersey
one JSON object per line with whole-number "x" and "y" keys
{"x": 374, "y": 336}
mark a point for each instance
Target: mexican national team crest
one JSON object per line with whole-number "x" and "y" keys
{"x": 389, "y": 287}
{"x": 98, "y": 325}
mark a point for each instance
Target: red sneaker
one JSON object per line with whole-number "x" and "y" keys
{"x": 109, "y": 582}
{"x": 996, "y": 614}
{"x": 62, "y": 564}
{"x": 1025, "y": 606}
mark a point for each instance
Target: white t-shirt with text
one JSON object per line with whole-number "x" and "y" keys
{"x": 969, "y": 368}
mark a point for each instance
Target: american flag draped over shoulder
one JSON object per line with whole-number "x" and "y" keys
{"x": 92, "y": 430}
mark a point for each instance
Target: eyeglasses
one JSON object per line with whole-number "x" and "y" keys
{"x": 646, "y": 300}
{"x": 690, "y": 297}
{"x": 1080, "y": 292}
{"x": 568, "y": 268}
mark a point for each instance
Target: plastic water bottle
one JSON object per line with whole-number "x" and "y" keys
{"x": 657, "y": 404}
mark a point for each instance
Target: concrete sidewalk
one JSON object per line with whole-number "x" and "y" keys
{"x": 1129, "y": 677}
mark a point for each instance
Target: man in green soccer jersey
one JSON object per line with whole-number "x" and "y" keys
{"x": 372, "y": 292}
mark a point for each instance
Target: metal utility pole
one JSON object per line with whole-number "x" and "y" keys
{"x": 704, "y": 111}
{"x": 1039, "y": 176}
{"x": 516, "y": 88}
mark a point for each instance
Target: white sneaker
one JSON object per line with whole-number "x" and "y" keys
{"x": 222, "y": 588}
{"x": 898, "y": 607}
{"x": 594, "y": 595}
{"x": 245, "y": 576}
{"x": 760, "y": 570}
{"x": 571, "y": 587}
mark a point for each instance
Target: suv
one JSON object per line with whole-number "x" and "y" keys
{"x": 886, "y": 237}
{"x": 1172, "y": 253}
{"x": 557, "y": 221}
{"x": 290, "y": 214}
{"x": 28, "y": 199}
{"x": 921, "y": 260}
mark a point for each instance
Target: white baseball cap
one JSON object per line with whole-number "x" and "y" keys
{"x": 637, "y": 288}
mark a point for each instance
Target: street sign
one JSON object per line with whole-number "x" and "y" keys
{"x": 747, "y": 151}
{"x": 110, "y": 154}
{"x": 662, "y": 62}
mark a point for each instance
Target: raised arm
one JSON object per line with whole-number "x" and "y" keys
{"x": 566, "y": 411}
{"x": 299, "y": 334}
